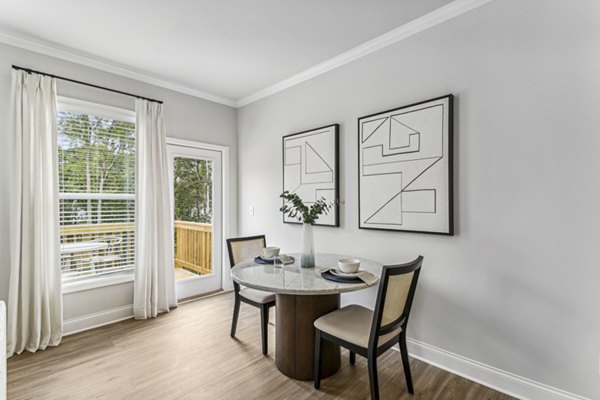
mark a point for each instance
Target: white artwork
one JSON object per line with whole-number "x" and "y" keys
{"x": 310, "y": 169}
{"x": 405, "y": 168}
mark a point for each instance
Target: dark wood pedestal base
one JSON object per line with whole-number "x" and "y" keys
{"x": 295, "y": 336}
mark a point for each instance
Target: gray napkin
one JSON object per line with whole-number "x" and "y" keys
{"x": 286, "y": 259}
{"x": 363, "y": 275}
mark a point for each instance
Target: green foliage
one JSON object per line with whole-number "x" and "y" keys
{"x": 193, "y": 190}
{"x": 301, "y": 211}
{"x": 95, "y": 155}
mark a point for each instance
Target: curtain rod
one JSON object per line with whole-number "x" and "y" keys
{"x": 84, "y": 83}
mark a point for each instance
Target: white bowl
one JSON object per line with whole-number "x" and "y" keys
{"x": 270, "y": 252}
{"x": 349, "y": 265}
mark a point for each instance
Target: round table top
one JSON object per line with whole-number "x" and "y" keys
{"x": 292, "y": 279}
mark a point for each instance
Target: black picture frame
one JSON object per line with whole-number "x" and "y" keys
{"x": 447, "y": 160}
{"x": 332, "y": 129}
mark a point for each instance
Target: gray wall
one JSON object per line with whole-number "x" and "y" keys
{"x": 186, "y": 117}
{"x": 518, "y": 286}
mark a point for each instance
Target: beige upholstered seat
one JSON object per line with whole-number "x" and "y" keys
{"x": 257, "y": 296}
{"x": 352, "y": 324}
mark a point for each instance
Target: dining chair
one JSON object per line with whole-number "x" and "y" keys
{"x": 371, "y": 333}
{"x": 110, "y": 256}
{"x": 241, "y": 249}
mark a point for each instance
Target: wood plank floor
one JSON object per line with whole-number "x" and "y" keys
{"x": 188, "y": 354}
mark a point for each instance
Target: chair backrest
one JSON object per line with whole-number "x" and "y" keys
{"x": 244, "y": 248}
{"x": 394, "y": 298}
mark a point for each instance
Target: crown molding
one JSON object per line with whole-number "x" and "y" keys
{"x": 436, "y": 17}
{"x": 68, "y": 54}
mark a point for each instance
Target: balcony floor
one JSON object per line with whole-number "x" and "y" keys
{"x": 181, "y": 274}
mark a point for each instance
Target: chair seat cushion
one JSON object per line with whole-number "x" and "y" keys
{"x": 257, "y": 296}
{"x": 352, "y": 324}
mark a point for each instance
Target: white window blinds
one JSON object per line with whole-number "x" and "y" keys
{"x": 97, "y": 192}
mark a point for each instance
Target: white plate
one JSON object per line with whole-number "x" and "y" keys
{"x": 344, "y": 274}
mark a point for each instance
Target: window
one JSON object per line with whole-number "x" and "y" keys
{"x": 96, "y": 163}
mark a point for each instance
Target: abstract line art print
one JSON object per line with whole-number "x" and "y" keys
{"x": 310, "y": 169}
{"x": 405, "y": 168}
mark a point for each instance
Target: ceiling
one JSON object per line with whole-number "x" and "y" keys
{"x": 227, "y": 48}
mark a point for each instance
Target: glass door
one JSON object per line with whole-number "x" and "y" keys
{"x": 196, "y": 195}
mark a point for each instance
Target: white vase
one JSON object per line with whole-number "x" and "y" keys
{"x": 307, "y": 260}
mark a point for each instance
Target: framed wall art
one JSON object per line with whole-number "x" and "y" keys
{"x": 310, "y": 169}
{"x": 405, "y": 168}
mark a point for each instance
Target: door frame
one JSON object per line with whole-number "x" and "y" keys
{"x": 226, "y": 282}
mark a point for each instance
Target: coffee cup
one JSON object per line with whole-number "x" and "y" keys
{"x": 349, "y": 265}
{"x": 270, "y": 252}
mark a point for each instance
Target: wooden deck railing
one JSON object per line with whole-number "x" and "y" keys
{"x": 81, "y": 233}
{"x": 116, "y": 258}
{"x": 193, "y": 247}
{"x": 97, "y": 232}
{"x": 193, "y": 241}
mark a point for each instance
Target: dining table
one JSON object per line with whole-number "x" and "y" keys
{"x": 302, "y": 295}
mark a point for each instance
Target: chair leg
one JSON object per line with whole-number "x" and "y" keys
{"x": 406, "y": 363}
{"x": 236, "y": 314}
{"x": 318, "y": 358}
{"x": 372, "y": 363}
{"x": 264, "y": 328}
{"x": 352, "y": 358}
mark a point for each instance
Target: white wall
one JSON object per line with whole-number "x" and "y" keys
{"x": 186, "y": 117}
{"x": 518, "y": 286}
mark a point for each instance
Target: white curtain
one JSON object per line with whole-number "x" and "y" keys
{"x": 154, "y": 286}
{"x": 35, "y": 298}
{"x": 2, "y": 346}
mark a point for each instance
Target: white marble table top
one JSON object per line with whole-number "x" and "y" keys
{"x": 292, "y": 279}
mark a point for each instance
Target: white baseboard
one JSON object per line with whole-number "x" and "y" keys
{"x": 502, "y": 381}
{"x": 97, "y": 320}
